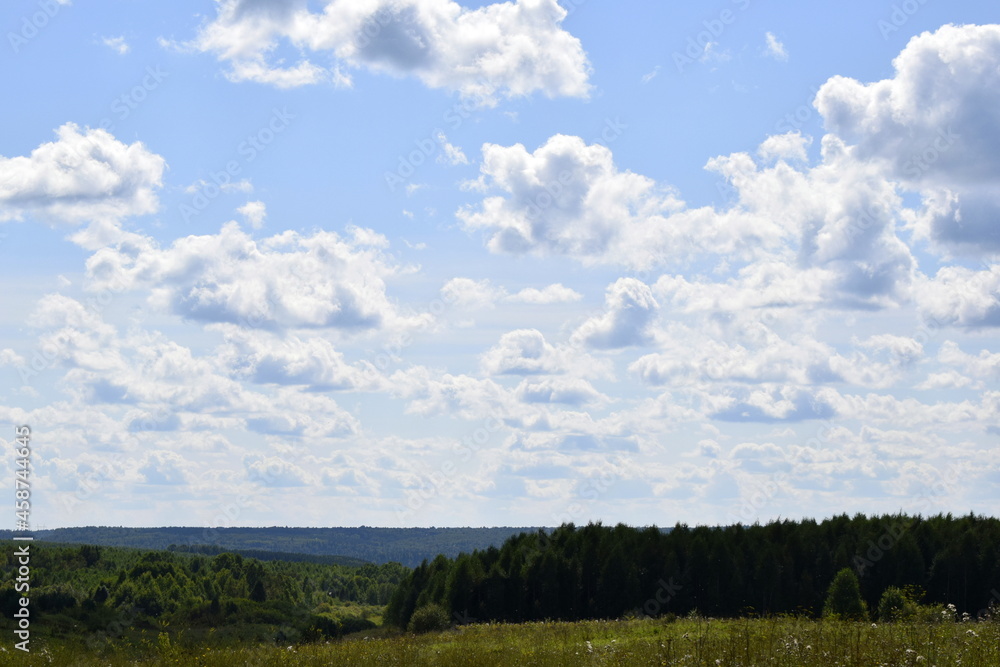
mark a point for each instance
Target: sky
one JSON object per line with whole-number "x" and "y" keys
{"x": 429, "y": 263}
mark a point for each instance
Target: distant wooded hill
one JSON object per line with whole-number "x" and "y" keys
{"x": 408, "y": 546}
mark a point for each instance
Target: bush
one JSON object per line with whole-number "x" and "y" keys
{"x": 843, "y": 598}
{"x": 896, "y": 605}
{"x": 429, "y": 618}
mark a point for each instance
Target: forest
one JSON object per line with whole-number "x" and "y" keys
{"x": 106, "y": 594}
{"x": 783, "y": 567}
{"x": 613, "y": 591}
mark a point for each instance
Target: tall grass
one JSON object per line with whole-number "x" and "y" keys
{"x": 782, "y": 642}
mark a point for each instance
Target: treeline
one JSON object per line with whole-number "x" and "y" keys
{"x": 260, "y": 554}
{"x": 598, "y": 571}
{"x": 408, "y": 546}
{"x": 113, "y": 592}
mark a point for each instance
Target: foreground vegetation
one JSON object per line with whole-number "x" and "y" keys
{"x": 783, "y": 642}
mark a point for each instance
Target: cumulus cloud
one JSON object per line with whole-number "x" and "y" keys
{"x": 523, "y": 352}
{"x": 630, "y": 312}
{"x": 164, "y": 467}
{"x": 571, "y": 391}
{"x": 287, "y": 280}
{"x": 509, "y": 49}
{"x": 962, "y": 297}
{"x": 774, "y": 404}
{"x": 263, "y": 357}
{"x": 83, "y": 176}
{"x": 935, "y": 125}
{"x": 569, "y": 198}
{"x": 839, "y": 217}
{"x": 293, "y": 413}
{"x": 836, "y": 220}
{"x": 164, "y": 387}
{"x": 255, "y": 212}
{"x": 985, "y": 365}
{"x": 471, "y": 294}
{"x": 879, "y": 361}
{"x": 555, "y": 293}
{"x": 274, "y": 471}
{"x": 770, "y": 359}
{"x": 788, "y": 146}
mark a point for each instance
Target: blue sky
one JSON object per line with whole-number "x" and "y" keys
{"x": 415, "y": 262}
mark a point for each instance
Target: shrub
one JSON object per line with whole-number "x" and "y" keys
{"x": 843, "y": 598}
{"x": 896, "y": 605}
{"x": 429, "y": 618}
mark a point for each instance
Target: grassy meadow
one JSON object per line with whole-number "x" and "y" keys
{"x": 785, "y": 642}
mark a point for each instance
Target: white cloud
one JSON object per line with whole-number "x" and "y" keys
{"x": 985, "y": 365}
{"x": 266, "y": 358}
{"x": 879, "y": 361}
{"x": 274, "y": 471}
{"x": 630, "y": 312}
{"x": 164, "y": 467}
{"x": 255, "y": 212}
{"x": 450, "y": 154}
{"x": 555, "y": 293}
{"x": 471, "y": 294}
{"x": 962, "y": 297}
{"x": 569, "y": 198}
{"x": 81, "y": 177}
{"x": 571, "y": 391}
{"x": 9, "y": 357}
{"x": 523, "y": 352}
{"x": 117, "y": 44}
{"x": 789, "y": 146}
{"x": 510, "y": 49}
{"x": 774, "y": 48}
{"x": 935, "y": 125}
{"x": 287, "y": 280}
{"x": 950, "y": 379}
{"x": 709, "y": 449}
{"x": 773, "y": 403}
{"x": 242, "y": 185}
{"x": 770, "y": 358}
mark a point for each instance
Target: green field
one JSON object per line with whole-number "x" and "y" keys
{"x": 745, "y": 642}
